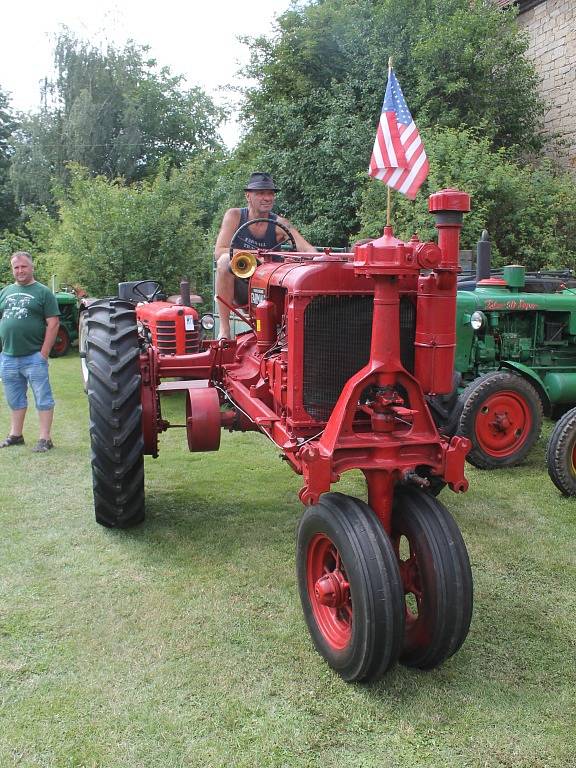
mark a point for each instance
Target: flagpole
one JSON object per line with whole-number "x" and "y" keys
{"x": 389, "y": 195}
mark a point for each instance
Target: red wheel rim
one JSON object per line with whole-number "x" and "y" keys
{"x": 416, "y": 625}
{"x": 329, "y": 592}
{"x": 503, "y": 424}
{"x": 61, "y": 343}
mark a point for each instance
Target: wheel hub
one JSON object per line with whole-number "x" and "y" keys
{"x": 501, "y": 422}
{"x": 332, "y": 589}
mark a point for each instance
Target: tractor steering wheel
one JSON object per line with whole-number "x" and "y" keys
{"x": 149, "y": 297}
{"x": 289, "y": 237}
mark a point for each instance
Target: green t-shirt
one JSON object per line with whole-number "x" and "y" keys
{"x": 24, "y": 309}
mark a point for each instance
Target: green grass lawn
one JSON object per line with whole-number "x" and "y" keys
{"x": 181, "y": 643}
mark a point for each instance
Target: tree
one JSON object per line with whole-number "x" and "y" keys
{"x": 529, "y": 211}
{"x": 109, "y": 232}
{"x": 114, "y": 113}
{"x": 8, "y": 124}
{"x": 312, "y": 115}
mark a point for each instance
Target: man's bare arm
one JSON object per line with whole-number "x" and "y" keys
{"x": 302, "y": 244}
{"x": 52, "y": 326}
{"x": 230, "y": 224}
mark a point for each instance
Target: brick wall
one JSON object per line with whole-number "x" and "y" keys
{"x": 551, "y": 26}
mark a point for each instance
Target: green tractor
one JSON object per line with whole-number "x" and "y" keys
{"x": 515, "y": 359}
{"x": 69, "y": 305}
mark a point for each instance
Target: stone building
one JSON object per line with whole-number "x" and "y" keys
{"x": 551, "y": 27}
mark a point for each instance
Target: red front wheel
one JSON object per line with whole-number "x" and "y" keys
{"x": 501, "y": 414}
{"x": 350, "y": 587}
{"x": 436, "y": 578}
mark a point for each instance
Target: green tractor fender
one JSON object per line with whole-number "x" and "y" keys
{"x": 528, "y": 373}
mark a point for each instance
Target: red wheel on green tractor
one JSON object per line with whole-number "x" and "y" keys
{"x": 62, "y": 343}
{"x": 561, "y": 454}
{"x": 113, "y": 389}
{"x": 436, "y": 577}
{"x": 350, "y": 587}
{"x": 501, "y": 414}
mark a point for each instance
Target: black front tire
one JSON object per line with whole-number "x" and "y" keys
{"x": 561, "y": 454}
{"x": 350, "y": 587}
{"x": 436, "y": 577}
{"x": 501, "y": 414}
{"x": 113, "y": 388}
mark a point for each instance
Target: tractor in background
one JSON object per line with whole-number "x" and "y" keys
{"x": 171, "y": 324}
{"x": 515, "y": 359}
{"x": 341, "y": 353}
{"x": 70, "y": 306}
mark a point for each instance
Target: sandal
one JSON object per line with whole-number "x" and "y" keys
{"x": 12, "y": 440}
{"x": 42, "y": 446}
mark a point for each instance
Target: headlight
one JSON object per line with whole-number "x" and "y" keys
{"x": 478, "y": 320}
{"x": 207, "y": 322}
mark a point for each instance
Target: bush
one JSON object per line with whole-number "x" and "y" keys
{"x": 110, "y": 232}
{"x": 529, "y": 211}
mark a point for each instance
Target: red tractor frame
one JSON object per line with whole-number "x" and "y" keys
{"x": 342, "y": 353}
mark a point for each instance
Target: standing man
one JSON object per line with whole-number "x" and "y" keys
{"x": 28, "y": 329}
{"x": 260, "y": 194}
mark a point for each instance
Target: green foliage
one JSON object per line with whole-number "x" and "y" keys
{"x": 112, "y": 232}
{"x": 470, "y": 69}
{"x": 8, "y": 125}
{"x": 316, "y": 164}
{"x": 529, "y": 212}
{"x": 9, "y": 244}
{"x": 320, "y": 81}
{"x": 113, "y": 113}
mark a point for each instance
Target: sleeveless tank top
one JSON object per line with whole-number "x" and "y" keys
{"x": 247, "y": 239}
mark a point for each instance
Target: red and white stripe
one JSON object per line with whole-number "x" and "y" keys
{"x": 388, "y": 151}
{"x": 408, "y": 177}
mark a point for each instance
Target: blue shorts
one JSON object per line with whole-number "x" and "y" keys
{"x": 19, "y": 372}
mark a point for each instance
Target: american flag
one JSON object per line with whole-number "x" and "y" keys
{"x": 398, "y": 158}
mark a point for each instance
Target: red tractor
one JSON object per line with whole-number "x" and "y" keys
{"x": 342, "y": 353}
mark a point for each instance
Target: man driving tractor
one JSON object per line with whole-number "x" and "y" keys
{"x": 260, "y": 194}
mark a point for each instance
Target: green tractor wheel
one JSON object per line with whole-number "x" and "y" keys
{"x": 501, "y": 414}
{"x": 561, "y": 454}
{"x": 62, "y": 343}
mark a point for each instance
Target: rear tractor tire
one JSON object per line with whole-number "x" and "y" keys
{"x": 113, "y": 389}
{"x": 561, "y": 454}
{"x": 501, "y": 414}
{"x": 350, "y": 587}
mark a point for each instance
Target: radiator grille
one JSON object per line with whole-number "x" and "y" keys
{"x": 407, "y": 333}
{"x": 167, "y": 341}
{"x": 337, "y": 338}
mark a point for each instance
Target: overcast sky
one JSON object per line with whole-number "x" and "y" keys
{"x": 195, "y": 39}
